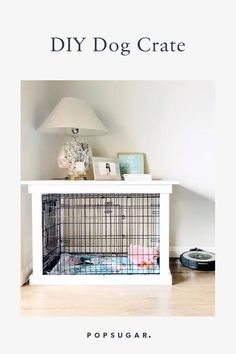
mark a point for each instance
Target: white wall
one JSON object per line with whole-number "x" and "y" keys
{"x": 172, "y": 122}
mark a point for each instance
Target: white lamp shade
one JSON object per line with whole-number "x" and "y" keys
{"x": 70, "y": 113}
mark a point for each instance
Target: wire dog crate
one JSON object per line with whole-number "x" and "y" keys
{"x": 100, "y": 232}
{"x": 90, "y": 234}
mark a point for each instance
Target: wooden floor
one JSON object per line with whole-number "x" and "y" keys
{"x": 192, "y": 294}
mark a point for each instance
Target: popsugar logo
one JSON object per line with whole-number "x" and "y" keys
{"x": 118, "y": 335}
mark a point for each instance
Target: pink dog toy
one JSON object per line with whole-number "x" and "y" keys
{"x": 143, "y": 256}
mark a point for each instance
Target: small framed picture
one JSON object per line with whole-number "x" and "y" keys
{"x": 131, "y": 163}
{"x": 105, "y": 168}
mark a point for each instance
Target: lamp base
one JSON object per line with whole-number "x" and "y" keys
{"x": 76, "y": 178}
{"x": 76, "y": 158}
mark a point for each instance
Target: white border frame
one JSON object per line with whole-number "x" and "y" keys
{"x": 142, "y": 154}
{"x": 99, "y": 177}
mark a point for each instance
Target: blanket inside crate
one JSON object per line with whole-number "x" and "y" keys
{"x": 71, "y": 264}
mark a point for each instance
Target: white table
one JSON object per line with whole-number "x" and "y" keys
{"x": 39, "y": 188}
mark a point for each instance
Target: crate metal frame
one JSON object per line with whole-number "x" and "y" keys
{"x": 100, "y": 233}
{"x": 38, "y": 188}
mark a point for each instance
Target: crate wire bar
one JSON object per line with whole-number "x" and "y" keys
{"x": 100, "y": 234}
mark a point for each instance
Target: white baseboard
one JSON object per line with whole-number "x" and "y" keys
{"x": 25, "y": 273}
{"x": 175, "y": 252}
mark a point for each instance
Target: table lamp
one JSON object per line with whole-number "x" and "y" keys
{"x": 74, "y": 115}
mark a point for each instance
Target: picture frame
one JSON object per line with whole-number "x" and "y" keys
{"x": 131, "y": 163}
{"x": 106, "y": 168}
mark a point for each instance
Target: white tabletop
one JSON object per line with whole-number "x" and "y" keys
{"x": 93, "y": 182}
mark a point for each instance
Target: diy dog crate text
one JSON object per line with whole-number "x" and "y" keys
{"x": 100, "y": 44}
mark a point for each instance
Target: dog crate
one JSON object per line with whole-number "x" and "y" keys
{"x": 85, "y": 234}
{"x": 100, "y": 234}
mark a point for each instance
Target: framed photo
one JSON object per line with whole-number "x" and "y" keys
{"x": 131, "y": 163}
{"x": 105, "y": 168}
